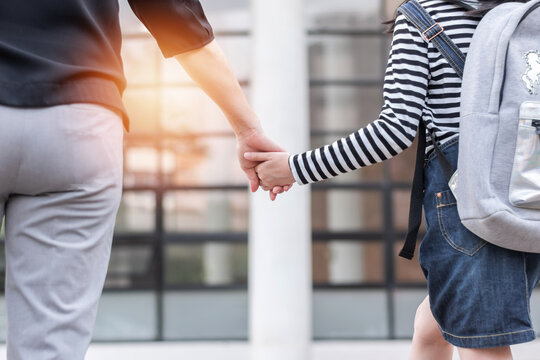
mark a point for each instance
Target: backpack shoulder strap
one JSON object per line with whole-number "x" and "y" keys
{"x": 433, "y": 32}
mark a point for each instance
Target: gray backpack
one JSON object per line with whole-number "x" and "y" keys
{"x": 497, "y": 184}
{"x": 498, "y": 191}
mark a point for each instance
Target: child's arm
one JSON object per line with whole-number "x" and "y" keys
{"x": 404, "y": 93}
{"x": 274, "y": 169}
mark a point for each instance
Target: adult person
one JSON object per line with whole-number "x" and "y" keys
{"x": 479, "y": 293}
{"x": 61, "y": 115}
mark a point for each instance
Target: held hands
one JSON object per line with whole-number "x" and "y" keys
{"x": 254, "y": 141}
{"x": 273, "y": 170}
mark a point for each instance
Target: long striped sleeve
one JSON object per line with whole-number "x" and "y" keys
{"x": 418, "y": 85}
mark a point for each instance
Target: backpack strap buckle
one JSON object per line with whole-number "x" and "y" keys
{"x": 432, "y": 32}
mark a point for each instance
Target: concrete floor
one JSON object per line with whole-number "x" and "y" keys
{"x": 376, "y": 350}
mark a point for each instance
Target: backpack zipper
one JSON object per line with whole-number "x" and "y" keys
{"x": 534, "y": 7}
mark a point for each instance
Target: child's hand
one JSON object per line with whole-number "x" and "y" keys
{"x": 273, "y": 170}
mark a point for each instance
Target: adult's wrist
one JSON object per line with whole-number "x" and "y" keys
{"x": 246, "y": 132}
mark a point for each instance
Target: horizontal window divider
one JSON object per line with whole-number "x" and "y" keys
{"x": 381, "y": 185}
{"x": 152, "y": 138}
{"x": 355, "y": 286}
{"x": 340, "y": 133}
{"x": 344, "y": 339}
{"x": 169, "y": 188}
{"x": 208, "y": 288}
{"x": 348, "y": 32}
{"x": 179, "y": 84}
{"x": 401, "y": 285}
{"x": 369, "y": 286}
{"x": 127, "y": 238}
{"x": 361, "y": 236}
{"x": 218, "y": 33}
{"x": 247, "y": 33}
{"x": 193, "y": 238}
{"x": 345, "y": 82}
{"x": 244, "y": 286}
{"x": 313, "y": 82}
{"x": 206, "y": 188}
{"x": 130, "y": 289}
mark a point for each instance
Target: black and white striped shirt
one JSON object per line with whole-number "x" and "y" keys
{"x": 419, "y": 84}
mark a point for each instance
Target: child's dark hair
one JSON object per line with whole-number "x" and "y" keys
{"x": 485, "y": 6}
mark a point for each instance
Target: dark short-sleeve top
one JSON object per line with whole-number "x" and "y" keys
{"x": 56, "y": 52}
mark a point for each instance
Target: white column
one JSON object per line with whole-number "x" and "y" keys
{"x": 280, "y": 231}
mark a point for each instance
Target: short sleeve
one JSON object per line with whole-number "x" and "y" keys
{"x": 177, "y": 25}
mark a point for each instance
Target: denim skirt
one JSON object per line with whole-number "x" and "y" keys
{"x": 479, "y": 293}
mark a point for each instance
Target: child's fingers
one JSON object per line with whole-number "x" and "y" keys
{"x": 272, "y": 195}
{"x": 258, "y": 156}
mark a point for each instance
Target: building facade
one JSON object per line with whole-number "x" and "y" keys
{"x": 179, "y": 265}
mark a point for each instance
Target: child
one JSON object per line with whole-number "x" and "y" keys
{"x": 478, "y": 293}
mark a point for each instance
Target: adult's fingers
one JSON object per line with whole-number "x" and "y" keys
{"x": 253, "y": 179}
{"x": 258, "y": 156}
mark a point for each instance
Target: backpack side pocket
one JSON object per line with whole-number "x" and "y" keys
{"x": 524, "y": 189}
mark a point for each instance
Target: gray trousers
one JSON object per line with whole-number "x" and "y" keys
{"x": 60, "y": 188}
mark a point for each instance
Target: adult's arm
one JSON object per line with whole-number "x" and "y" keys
{"x": 181, "y": 29}
{"x": 209, "y": 68}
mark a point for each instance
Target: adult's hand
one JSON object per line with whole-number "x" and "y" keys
{"x": 254, "y": 140}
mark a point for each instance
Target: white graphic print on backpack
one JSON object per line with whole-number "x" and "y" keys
{"x": 532, "y": 77}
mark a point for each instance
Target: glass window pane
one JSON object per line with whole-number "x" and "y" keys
{"x": 142, "y": 61}
{"x": 131, "y": 266}
{"x": 203, "y": 160}
{"x": 141, "y": 165}
{"x": 126, "y": 316}
{"x": 346, "y": 210}
{"x": 215, "y": 315}
{"x": 407, "y": 271}
{"x": 208, "y": 211}
{"x": 206, "y": 264}
{"x": 230, "y": 15}
{"x": 338, "y": 57}
{"x": 405, "y": 304}
{"x": 347, "y": 262}
{"x": 142, "y": 107}
{"x": 187, "y": 110}
{"x": 128, "y": 21}
{"x": 344, "y": 108}
{"x": 343, "y": 14}
{"x": 349, "y": 314}
{"x": 137, "y": 212}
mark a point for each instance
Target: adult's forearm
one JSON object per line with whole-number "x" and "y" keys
{"x": 210, "y": 69}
